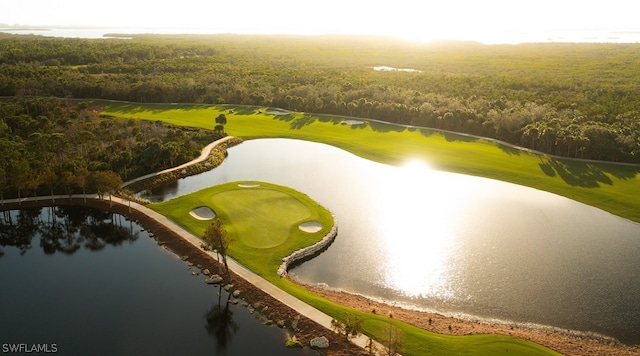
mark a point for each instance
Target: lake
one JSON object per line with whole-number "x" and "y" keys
{"x": 81, "y": 281}
{"x": 459, "y": 245}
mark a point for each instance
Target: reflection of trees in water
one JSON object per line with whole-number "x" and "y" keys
{"x": 64, "y": 229}
{"x": 17, "y": 228}
{"x": 220, "y": 323}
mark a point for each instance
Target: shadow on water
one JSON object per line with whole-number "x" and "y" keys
{"x": 63, "y": 229}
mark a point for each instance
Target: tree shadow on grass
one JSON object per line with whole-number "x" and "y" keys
{"x": 510, "y": 150}
{"x": 587, "y": 174}
{"x": 244, "y": 110}
{"x": 378, "y": 126}
{"x": 296, "y": 121}
{"x": 577, "y": 174}
{"x": 456, "y": 137}
{"x": 302, "y": 121}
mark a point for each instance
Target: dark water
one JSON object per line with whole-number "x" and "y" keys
{"x": 459, "y": 245}
{"x": 88, "y": 283}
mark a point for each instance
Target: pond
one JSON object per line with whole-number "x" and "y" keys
{"x": 80, "y": 281}
{"x": 459, "y": 245}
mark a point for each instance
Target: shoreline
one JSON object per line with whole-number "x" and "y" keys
{"x": 277, "y": 312}
{"x": 562, "y": 342}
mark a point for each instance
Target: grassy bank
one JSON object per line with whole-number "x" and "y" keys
{"x": 263, "y": 221}
{"x": 611, "y": 187}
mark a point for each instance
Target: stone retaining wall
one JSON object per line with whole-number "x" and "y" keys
{"x": 309, "y": 251}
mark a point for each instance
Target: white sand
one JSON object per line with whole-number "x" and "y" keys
{"x": 203, "y": 213}
{"x": 248, "y": 185}
{"x": 310, "y": 226}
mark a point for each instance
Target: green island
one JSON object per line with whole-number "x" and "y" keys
{"x": 263, "y": 221}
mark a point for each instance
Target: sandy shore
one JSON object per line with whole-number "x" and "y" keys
{"x": 560, "y": 342}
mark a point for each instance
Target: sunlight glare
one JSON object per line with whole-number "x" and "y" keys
{"x": 416, "y": 220}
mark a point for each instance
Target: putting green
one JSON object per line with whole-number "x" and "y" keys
{"x": 267, "y": 220}
{"x": 262, "y": 219}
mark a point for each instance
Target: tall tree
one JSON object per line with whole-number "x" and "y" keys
{"x": 216, "y": 236}
{"x": 105, "y": 182}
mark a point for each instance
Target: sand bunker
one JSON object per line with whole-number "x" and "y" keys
{"x": 310, "y": 226}
{"x": 203, "y": 213}
{"x": 277, "y": 112}
{"x": 352, "y": 122}
{"x": 248, "y": 185}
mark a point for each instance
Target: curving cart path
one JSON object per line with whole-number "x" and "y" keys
{"x": 204, "y": 154}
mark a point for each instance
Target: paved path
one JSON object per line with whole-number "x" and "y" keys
{"x": 204, "y": 154}
{"x": 294, "y": 303}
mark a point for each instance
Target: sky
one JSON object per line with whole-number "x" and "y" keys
{"x": 410, "y": 19}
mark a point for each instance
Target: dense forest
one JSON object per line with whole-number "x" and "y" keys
{"x": 574, "y": 100}
{"x": 58, "y": 146}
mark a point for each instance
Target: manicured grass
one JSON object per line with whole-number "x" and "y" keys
{"x": 611, "y": 187}
{"x": 253, "y": 213}
{"x": 262, "y": 220}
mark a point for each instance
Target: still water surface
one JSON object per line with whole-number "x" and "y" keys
{"x": 96, "y": 286}
{"x": 456, "y": 244}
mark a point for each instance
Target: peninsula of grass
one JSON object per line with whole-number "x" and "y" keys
{"x": 608, "y": 186}
{"x": 263, "y": 221}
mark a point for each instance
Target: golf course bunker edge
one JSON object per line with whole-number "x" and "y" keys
{"x": 203, "y": 213}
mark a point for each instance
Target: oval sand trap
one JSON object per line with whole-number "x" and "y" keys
{"x": 202, "y": 213}
{"x": 248, "y": 185}
{"x": 310, "y": 226}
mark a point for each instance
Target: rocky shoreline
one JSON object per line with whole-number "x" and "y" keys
{"x": 308, "y": 252}
{"x": 281, "y": 314}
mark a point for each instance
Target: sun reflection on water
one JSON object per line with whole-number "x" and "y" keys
{"x": 417, "y": 235}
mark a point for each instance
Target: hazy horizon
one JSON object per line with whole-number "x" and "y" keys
{"x": 489, "y": 21}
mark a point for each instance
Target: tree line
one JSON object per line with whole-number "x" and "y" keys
{"x": 575, "y": 100}
{"x": 57, "y": 146}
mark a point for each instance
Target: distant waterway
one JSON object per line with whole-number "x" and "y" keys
{"x": 460, "y": 245}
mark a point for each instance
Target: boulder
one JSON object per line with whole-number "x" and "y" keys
{"x": 206, "y": 272}
{"x": 319, "y": 342}
{"x": 236, "y": 293}
{"x": 215, "y": 279}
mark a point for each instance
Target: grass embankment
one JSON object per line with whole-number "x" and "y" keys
{"x": 610, "y": 187}
{"x": 263, "y": 220}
